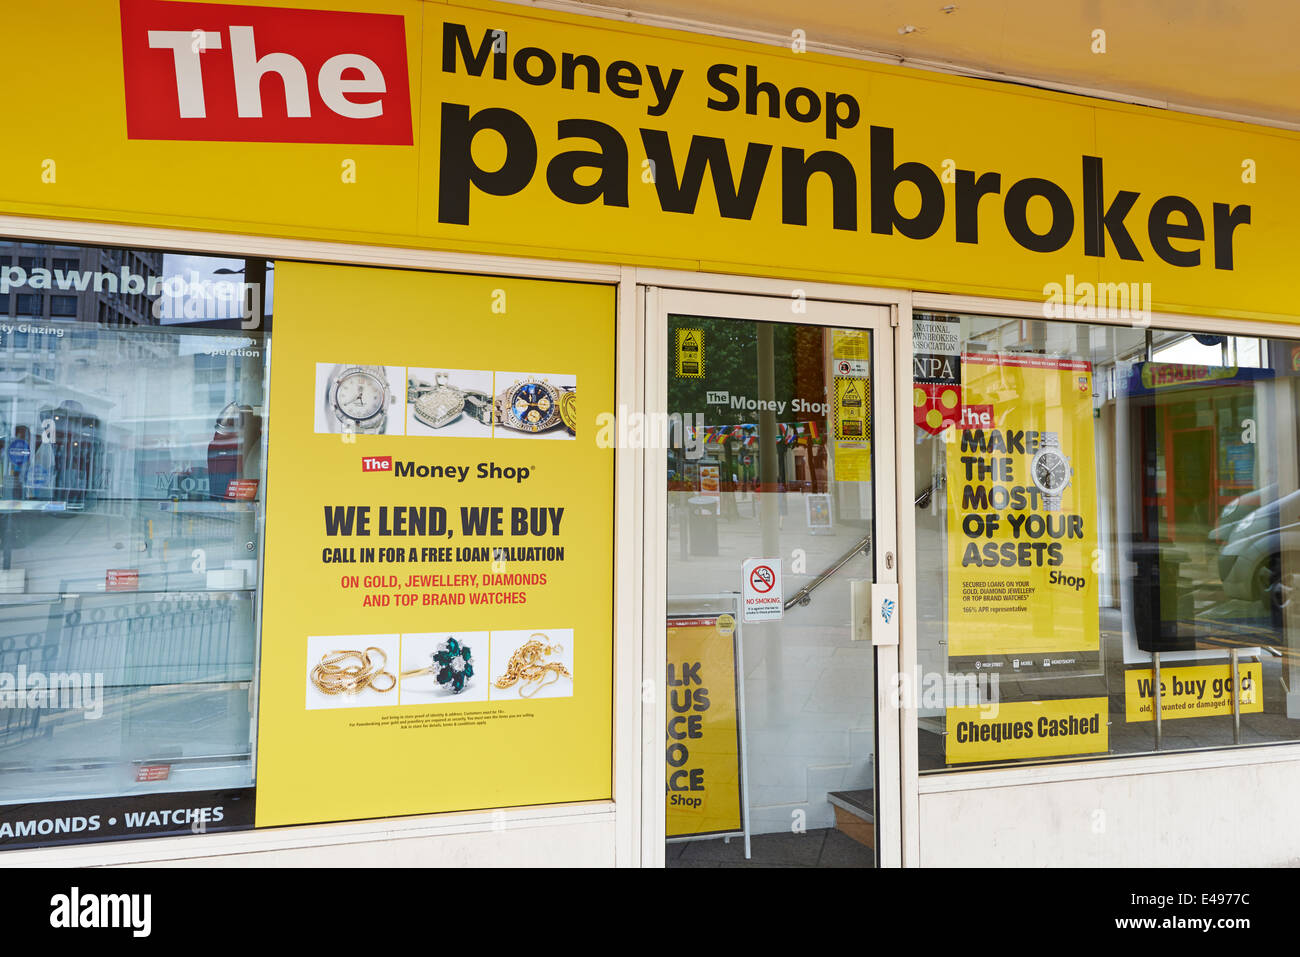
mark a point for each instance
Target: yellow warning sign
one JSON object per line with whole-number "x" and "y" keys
{"x": 852, "y": 409}
{"x": 852, "y": 429}
{"x": 690, "y": 354}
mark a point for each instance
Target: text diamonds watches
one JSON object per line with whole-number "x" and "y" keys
{"x": 439, "y": 404}
{"x": 352, "y": 672}
{"x": 526, "y": 666}
{"x": 536, "y": 406}
{"x": 450, "y": 665}
{"x": 358, "y": 397}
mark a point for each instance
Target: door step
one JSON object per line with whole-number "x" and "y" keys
{"x": 855, "y": 814}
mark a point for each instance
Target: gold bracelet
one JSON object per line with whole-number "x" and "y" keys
{"x": 526, "y": 666}
{"x": 332, "y": 677}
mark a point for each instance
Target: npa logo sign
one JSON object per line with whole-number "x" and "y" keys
{"x": 215, "y": 71}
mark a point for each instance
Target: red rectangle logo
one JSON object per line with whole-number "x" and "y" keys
{"x": 376, "y": 463}
{"x": 215, "y": 71}
{"x": 153, "y": 772}
{"x": 121, "y": 579}
{"x": 242, "y": 490}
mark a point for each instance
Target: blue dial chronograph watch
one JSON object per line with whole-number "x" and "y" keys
{"x": 533, "y": 405}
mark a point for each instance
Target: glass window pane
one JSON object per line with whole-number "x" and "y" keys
{"x": 1107, "y": 501}
{"x": 131, "y": 494}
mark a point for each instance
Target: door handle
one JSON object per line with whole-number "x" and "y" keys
{"x": 860, "y": 609}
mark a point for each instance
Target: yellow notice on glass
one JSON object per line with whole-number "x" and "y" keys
{"x": 703, "y": 747}
{"x": 689, "y": 354}
{"x": 851, "y": 412}
{"x": 1193, "y": 692}
{"x": 1027, "y": 729}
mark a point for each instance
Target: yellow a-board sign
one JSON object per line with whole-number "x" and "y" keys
{"x": 1026, "y": 729}
{"x": 540, "y": 133}
{"x": 439, "y": 546}
{"x": 1022, "y": 512}
{"x": 703, "y": 752}
{"x": 1196, "y": 691}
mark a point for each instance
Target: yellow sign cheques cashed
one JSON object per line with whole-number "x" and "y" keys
{"x": 437, "y": 632}
{"x": 1027, "y": 729}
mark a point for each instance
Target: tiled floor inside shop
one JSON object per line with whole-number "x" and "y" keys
{"x": 822, "y": 847}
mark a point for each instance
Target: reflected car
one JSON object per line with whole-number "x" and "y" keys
{"x": 1238, "y": 509}
{"x": 1261, "y": 553}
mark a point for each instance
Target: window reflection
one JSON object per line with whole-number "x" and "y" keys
{"x": 132, "y": 407}
{"x": 1197, "y": 519}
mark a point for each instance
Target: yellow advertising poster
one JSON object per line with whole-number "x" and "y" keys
{"x": 1027, "y": 729}
{"x": 851, "y": 415}
{"x": 1196, "y": 691}
{"x": 1022, "y": 513}
{"x": 689, "y": 354}
{"x": 439, "y": 633}
{"x": 703, "y": 752}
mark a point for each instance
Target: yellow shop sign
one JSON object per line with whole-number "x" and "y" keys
{"x": 1027, "y": 729}
{"x": 540, "y": 133}
{"x": 1193, "y": 692}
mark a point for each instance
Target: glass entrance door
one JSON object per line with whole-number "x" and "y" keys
{"x": 779, "y": 582}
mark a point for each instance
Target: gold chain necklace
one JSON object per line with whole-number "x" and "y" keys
{"x": 526, "y": 666}
{"x": 331, "y": 676}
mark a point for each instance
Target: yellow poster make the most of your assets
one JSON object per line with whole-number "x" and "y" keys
{"x": 382, "y": 543}
{"x": 1022, "y": 509}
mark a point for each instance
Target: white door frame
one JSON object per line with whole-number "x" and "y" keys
{"x": 836, "y": 306}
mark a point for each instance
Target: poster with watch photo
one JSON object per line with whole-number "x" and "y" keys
{"x": 449, "y": 402}
{"x": 360, "y": 399}
{"x": 444, "y": 618}
{"x": 536, "y": 405}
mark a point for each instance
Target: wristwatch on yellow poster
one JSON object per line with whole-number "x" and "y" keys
{"x": 358, "y": 397}
{"x": 1050, "y": 470}
{"x": 439, "y": 403}
{"x": 537, "y": 406}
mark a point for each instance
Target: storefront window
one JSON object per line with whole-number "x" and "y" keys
{"x": 1106, "y": 516}
{"x": 132, "y": 435}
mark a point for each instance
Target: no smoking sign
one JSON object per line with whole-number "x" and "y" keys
{"x": 762, "y": 597}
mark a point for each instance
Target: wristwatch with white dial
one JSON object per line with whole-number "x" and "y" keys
{"x": 1050, "y": 469}
{"x": 437, "y": 404}
{"x": 537, "y": 406}
{"x": 357, "y": 398}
